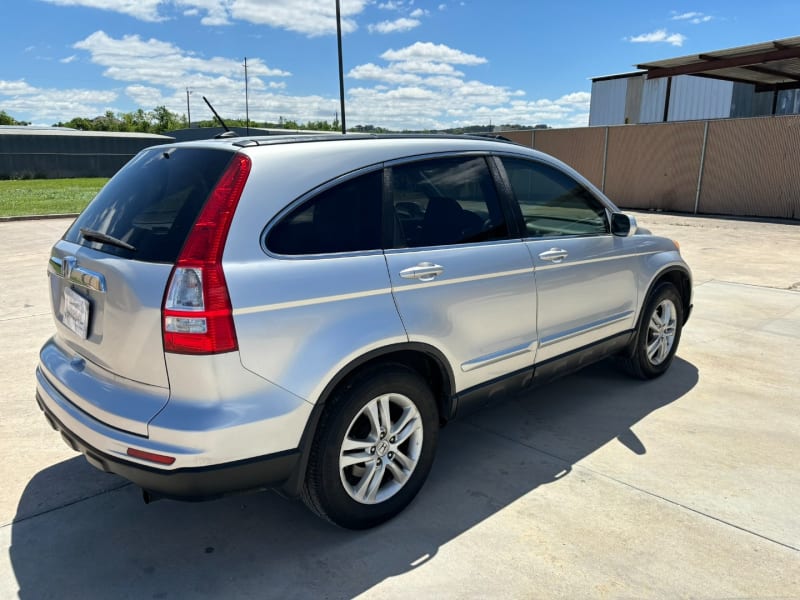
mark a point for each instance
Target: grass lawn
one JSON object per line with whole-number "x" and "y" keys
{"x": 47, "y": 196}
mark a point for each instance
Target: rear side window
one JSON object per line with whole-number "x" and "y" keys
{"x": 552, "y": 202}
{"x": 152, "y": 203}
{"x": 445, "y": 201}
{"x": 344, "y": 218}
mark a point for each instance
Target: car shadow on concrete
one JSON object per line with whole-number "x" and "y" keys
{"x": 110, "y": 544}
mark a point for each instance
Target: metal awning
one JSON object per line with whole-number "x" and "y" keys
{"x": 769, "y": 65}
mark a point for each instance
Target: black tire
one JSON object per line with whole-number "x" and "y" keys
{"x": 330, "y": 491}
{"x": 648, "y": 364}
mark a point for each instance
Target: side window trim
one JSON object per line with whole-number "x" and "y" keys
{"x": 505, "y": 194}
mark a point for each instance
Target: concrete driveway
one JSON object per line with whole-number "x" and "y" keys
{"x": 593, "y": 486}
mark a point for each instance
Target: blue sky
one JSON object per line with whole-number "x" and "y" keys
{"x": 408, "y": 63}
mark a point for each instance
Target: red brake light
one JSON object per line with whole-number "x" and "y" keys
{"x": 197, "y": 313}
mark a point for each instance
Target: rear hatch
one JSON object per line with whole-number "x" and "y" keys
{"x": 108, "y": 277}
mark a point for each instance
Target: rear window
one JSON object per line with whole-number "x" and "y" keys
{"x": 152, "y": 203}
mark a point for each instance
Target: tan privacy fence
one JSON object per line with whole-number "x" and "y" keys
{"x": 747, "y": 167}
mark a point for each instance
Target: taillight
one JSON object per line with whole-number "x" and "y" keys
{"x": 197, "y": 313}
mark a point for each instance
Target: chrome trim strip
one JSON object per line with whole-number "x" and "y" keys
{"x": 55, "y": 265}
{"x": 89, "y": 279}
{"x": 496, "y": 357}
{"x": 569, "y": 263}
{"x": 438, "y": 282}
{"x": 366, "y": 294}
{"x": 309, "y": 302}
{"x": 571, "y": 333}
{"x": 68, "y": 269}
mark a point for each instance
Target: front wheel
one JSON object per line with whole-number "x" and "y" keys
{"x": 374, "y": 448}
{"x": 658, "y": 335}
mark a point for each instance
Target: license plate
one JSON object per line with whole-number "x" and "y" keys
{"x": 75, "y": 312}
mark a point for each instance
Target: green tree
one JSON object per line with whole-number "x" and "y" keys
{"x": 6, "y": 119}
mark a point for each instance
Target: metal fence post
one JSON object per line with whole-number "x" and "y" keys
{"x": 605, "y": 161}
{"x": 702, "y": 166}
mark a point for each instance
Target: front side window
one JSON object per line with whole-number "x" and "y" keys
{"x": 445, "y": 201}
{"x": 552, "y": 202}
{"x": 344, "y": 218}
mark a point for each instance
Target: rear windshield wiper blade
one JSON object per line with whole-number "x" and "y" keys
{"x": 97, "y": 236}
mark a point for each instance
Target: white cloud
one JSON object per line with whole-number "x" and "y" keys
{"x": 693, "y": 17}
{"x": 309, "y": 17}
{"x": 419, "y": 88}
{"x": 144, "y": 10}
{"x": 49, "y": 105}
{"x": 68, "y": 59}
{"x": 401, "y": 24}
{"x": 373, "y": 72}
{"x": 417, "y": 13}
{"x": 428, "y": 52}
{"x": 660, "y": 35}
{"x": 162, "y": 63}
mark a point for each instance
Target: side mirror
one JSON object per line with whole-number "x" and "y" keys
{"x": 623, "y": 225}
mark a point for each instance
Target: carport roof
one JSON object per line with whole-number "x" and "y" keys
{"x": 768, "y": 65}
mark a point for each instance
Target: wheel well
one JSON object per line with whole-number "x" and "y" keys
{"x": 429, "y": 367}
{"x": 682, "y": 282}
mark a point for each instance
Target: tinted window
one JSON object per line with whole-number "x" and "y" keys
{"x": 445, "y": 201}
{"x": 152, "y": 203}
{"x": 344, "y": 218}
{"x": 552, "y": 202}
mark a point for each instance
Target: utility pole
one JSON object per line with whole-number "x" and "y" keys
{"x": 246, "y": 99}
{"x": 188, "y": 108}
{"x": 341, "y": 69}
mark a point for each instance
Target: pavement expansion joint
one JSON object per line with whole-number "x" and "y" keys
{"x": 576, "y": 466}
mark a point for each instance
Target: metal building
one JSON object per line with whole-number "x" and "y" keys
{"x": 747, "y": 81}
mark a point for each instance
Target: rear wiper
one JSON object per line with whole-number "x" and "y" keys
{"x": 96, "y": 236}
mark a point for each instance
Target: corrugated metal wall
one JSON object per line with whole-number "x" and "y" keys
{"x": 582, "y": 149}
{"x": 699, "y": 98}
{"x": 654, "y": 95}
{"x": 654, "y": 166}
{"x": 749, "y": 167}
{"x": 607, "y": 103}
{"x": 43, "y": 154}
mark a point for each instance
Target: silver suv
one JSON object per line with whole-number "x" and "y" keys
{"x": 306, "y": 313}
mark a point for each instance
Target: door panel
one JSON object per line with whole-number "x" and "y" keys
{"x": 588, "y": 295}
{"x": 480, "y": 311}
{"x": 459, "y": 283}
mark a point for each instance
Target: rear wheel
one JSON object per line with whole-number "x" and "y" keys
{"x": 374, "y": 448}
{"x": 658, "y": 334}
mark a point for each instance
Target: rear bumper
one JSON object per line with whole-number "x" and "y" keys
{"x": 185, "y": 483}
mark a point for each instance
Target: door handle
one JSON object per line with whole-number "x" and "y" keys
{"x": 424, "y": 271}
{"x": 555, "y": 255}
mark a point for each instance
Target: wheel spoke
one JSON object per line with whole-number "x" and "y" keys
{"x": 386, "y": 419}
{"x": 666, "y": 313}
{"x": 371, "y": 412}
{"x": 655, "y": 322}
{"x": 356, "y": 458}
{"x": 361, "y": 492}
{"x": 653, "y": 349}
{"x": 400, "y": 475}
{"x": 351, "y": 445}
{"x": 404, "y": 461}
{"x": 377, "y": 479}
{"x": 406, "y": 425}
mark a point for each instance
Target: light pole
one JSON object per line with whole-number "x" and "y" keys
{"x": 188, "y": 108}
{"x": 341, "y": 70}
{"x": 246, "y": 99}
